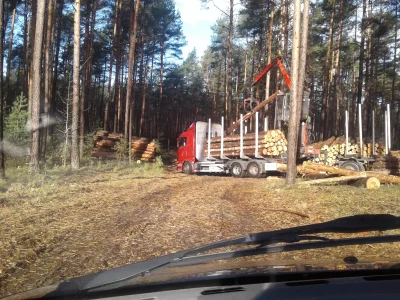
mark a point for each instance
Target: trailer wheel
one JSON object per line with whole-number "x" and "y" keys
{"x": 237, "y": 170}
{"x": 351, "y": 165}
{"x": 254, "y": 170}
{"x": 187, "y": 168}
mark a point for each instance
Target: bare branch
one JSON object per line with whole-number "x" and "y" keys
{"x": 219, "y": 8}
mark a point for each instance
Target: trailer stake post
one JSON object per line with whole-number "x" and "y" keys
{"x": 373, "y": 132}
{"x": 388, "y": 124}
{"x": 209, "y": 139}
{"x": 241, "y": 154}
{"x": 347, "y": 131}
{"x": 221, "y": 155}
{"x": 256, "y": 155}
{"x": 241, "y": 135}
{"x": 360, "y": 129}
{"x": 386, "y": 133}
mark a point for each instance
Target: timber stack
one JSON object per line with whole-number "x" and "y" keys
{"x": 104, "y": 143}
{"x": 334, "y": 147}
{"x": 389, "y": 163}
{"x": 270, "y": 144}
{"x": 143, "y": 150}
{"x": 105, "y": 147}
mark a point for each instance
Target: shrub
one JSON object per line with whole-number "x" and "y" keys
{"x": 15, "y": 122}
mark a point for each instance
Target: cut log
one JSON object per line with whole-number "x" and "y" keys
{"x": 372, "y": 183}
{"x": 105, "y": 143}
{"x": 334, "y": 179}
{"x": 310, "y": 168}
{"x": 233, "y": 144}
{"x": 236, "y": 137}
{"x": 346, "y": 172}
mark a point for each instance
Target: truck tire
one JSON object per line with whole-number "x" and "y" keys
{"x": 187, "y": 168}
{"x": 352, "y": 165}
{"x": 254, "y": 170}
{"x": 237, "y": 170}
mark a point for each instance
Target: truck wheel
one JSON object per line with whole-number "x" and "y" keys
{"x": 254, "y": 170}
{"x": 187, "y": 168}
{"x": 237, "y": 170}
{"x": 351, "y": 165}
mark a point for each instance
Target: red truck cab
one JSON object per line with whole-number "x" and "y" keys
{"x": 187, "y": 147}
{"x": 191, "y": 144}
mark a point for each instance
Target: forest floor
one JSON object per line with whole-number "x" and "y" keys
{"x": 65, "y": 224}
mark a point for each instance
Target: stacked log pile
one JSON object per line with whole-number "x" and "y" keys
{"x": 334, "y": 147}
{"x": 143, "y": 150}
{"x": 270, "y": 144}
{"x": 104, "y": 143}
{"x": 104, "y": 147}
{"x": 389, "y": 163}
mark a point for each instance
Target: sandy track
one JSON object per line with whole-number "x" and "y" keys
{"x": 92, "y": 223}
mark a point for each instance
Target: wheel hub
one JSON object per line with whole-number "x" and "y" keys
{"x": 236, "y": 170}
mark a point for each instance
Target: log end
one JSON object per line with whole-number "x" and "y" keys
{"x": 372, "y": 183}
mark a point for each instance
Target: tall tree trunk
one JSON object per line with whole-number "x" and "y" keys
{"x": 88, "y": 86}
{"x": 30, "y": 59}
{"x": 367, "y": 99}
{"x": 393, "y": 92}
{"x": 85, "y": 79}
{"x": 75, "y": 89}
{"x": 353, "y": 111}
{"x": 120, "y": 92}
{"x": 302, "y": 64}
{"x": 280, "y": 40}
{"x": 325, "y": 88}
{"x": 143, "y": 98}
{"x": 9, "y": 55}
{"x": 47, "y": 72}
{"x": 269, "y": 51}
{"x": 294, "y": 98}
{"x": 286, "y": 32}
{"x": 131, "y": 110}
{"x": 2, "y": 158}
{"x": 362, "y": 50}
{"x": 337, "y": 96}
{"x": 161, "y": 85}
{"x": 245, "y": 73}
{"x": 133, "y": 20}
{"x": 113, "y": 49}
{"x": 230, "y": 47}
{"x": 59, "y": 18}
{"x": 26, "y": 49}
{"x": 118, "y": 51}
{"x": 36, "y": 78}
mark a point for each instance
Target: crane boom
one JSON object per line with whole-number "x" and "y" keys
{"x": 276, "y": 62}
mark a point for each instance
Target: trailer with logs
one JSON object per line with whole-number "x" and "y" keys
{"x": 207, "y": 148}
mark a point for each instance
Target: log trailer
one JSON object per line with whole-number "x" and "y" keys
{"x": 191, "y": 143}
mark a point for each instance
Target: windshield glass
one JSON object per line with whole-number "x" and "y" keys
{"x": 131, "y": 130}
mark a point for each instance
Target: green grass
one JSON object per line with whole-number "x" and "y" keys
{"x": 20, "y": 184}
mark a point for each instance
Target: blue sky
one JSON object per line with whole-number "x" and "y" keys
{"x": 197, "y": 23}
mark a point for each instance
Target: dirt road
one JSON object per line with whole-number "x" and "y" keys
{"x": 83, "y": 224}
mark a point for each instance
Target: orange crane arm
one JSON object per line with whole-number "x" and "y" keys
{"x": 276, "y": 62}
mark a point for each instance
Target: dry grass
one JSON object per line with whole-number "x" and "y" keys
{"x": 63, "y": 224}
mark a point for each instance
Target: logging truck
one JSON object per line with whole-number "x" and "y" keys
{"x": 195, "y": 154}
